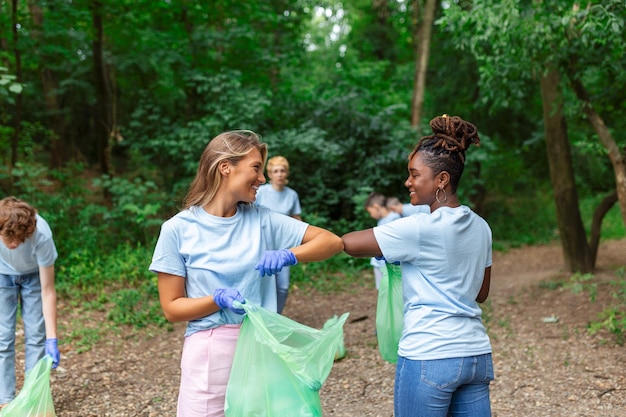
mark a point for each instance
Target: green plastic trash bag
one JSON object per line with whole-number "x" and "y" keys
{"x": 35, "y": 397}
{"x": 280, "y": 365}
{"x": 341, "y": 350}
{"x": 390, "y": 312}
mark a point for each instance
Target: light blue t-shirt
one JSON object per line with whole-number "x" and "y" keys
{"x": 221, "y": 252}
{"x": 286, "y": 201}
{"x": 444, "y": 255}
{"x": 38, "y": 250}
{"x": 409, "y": 209}
{"x": 380, "y": 263}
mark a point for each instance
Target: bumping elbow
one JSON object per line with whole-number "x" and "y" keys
{"x": 338, "y": 245}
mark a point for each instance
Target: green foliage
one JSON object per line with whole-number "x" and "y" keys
{"x": 136, "y": 207}
{"x": 613, "y": 317}
{"x": 613, "y": 320}
{"x": 85, "y": 338}
{"x": 522, "y": 219}
{"x": 8, "y": 84}
{"x": 579, "y": 283}
{"x": 137, "y": 307}
{"x": 333, "y": 275}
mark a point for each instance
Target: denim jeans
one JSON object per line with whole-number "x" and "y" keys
{"x": 282, "y": 288}
{"x": 444, "y": 387}
{"x": 25, "y": 290}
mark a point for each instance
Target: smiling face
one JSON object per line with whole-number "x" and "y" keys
{"x": 421, "y": 183}
{"x": 245, "y": 178}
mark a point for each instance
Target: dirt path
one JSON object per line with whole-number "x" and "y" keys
{"x": 542, "y": 369}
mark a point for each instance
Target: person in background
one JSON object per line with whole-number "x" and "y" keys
{"x": 277, "y": 196}
{"x": 27, "y": 258}
{"x": 221, "y": 250}
{"x": 445, "y": 365}
{"x": 376, "y": 206}
{"x": 404, "y": 210}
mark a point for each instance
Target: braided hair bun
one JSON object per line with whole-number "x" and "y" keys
{"x": 454, "y": 133}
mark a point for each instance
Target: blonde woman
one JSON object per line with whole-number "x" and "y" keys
{"x": 220, "y": 249}
{"x": 277, "y": 196}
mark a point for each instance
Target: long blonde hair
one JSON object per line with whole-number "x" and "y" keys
{"x": 230, "y": 146}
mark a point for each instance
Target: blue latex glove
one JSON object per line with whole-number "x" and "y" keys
{"x": 382, "y": 258}
{"x": 224, "y": 298}
{"x": 273, "y": 261}
{"x": 52, "y": 350}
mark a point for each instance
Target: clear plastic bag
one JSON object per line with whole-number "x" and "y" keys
{"x": 390, "y": 312}
{"x": 35, "y": 397}
{"x": 280, "y": 365}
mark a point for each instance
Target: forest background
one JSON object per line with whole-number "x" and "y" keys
{"x": 106, "y": 106}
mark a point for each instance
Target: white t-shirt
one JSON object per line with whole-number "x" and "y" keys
{"x": 38, "y": 250}
{"x": 444, "y": 255}
{"x": 221, "y": 252}
{"x": 286, "y": 201}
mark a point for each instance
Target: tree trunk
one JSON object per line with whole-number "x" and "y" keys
{"x": 49, "y": 85}
{"x": 617, "y": 157}
{"x": 423, "y": 37}
{"x": 576, "y": 251}
{"x": 596, "y": 224}
{"x": 17, "y": 119}
{"x": 103, "y": 118}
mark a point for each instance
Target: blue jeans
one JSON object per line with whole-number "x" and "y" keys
{"x": 282, "y": 288}
{"x": 25, "y": 290}
{"x": 452, "y": 387}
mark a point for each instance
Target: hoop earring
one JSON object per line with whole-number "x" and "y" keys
{"x": 445, "y": 195}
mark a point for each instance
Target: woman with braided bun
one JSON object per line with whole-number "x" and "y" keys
{"x": 444, "y": 356}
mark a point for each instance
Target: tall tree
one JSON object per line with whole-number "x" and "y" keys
{"x": 572, "y": 232}
{"x": 424, "y": 16}
{"x": 17, "y": 121}
{"x": 50, "y": 85}
{"x": 103, "y": 109}
{"x": 513, "y": 40}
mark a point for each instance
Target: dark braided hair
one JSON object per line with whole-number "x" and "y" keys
{"x": 444, "y": 150}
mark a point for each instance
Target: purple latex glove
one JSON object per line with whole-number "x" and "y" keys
{"x": 273, "y": 261}
{"x": 52, "y": 350}
{"x": 224, "y": 298}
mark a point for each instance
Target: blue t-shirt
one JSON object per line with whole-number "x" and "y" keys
{"x": 380, "y": 263}
{"x": 221, "y": 252}
{"x": 444, "y": 255}
{"x": 38, "y": 250}
{"x": 286, "y": 201}
{"x": 409, "y": 209}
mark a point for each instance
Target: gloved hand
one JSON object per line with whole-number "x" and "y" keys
{"x": 52, "y": 350}
{"x": 273, "y": 261}
{"x": 224, "y": 298}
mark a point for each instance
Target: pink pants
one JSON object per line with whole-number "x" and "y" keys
{"x": 205, "y": 367}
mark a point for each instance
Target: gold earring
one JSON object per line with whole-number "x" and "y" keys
{"x": 445, "y": 195}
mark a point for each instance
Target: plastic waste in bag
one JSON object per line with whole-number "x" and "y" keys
{"x": 390, "y": 312}
{"x": 280, "y": 365}
{"x": 35, "y": 397}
